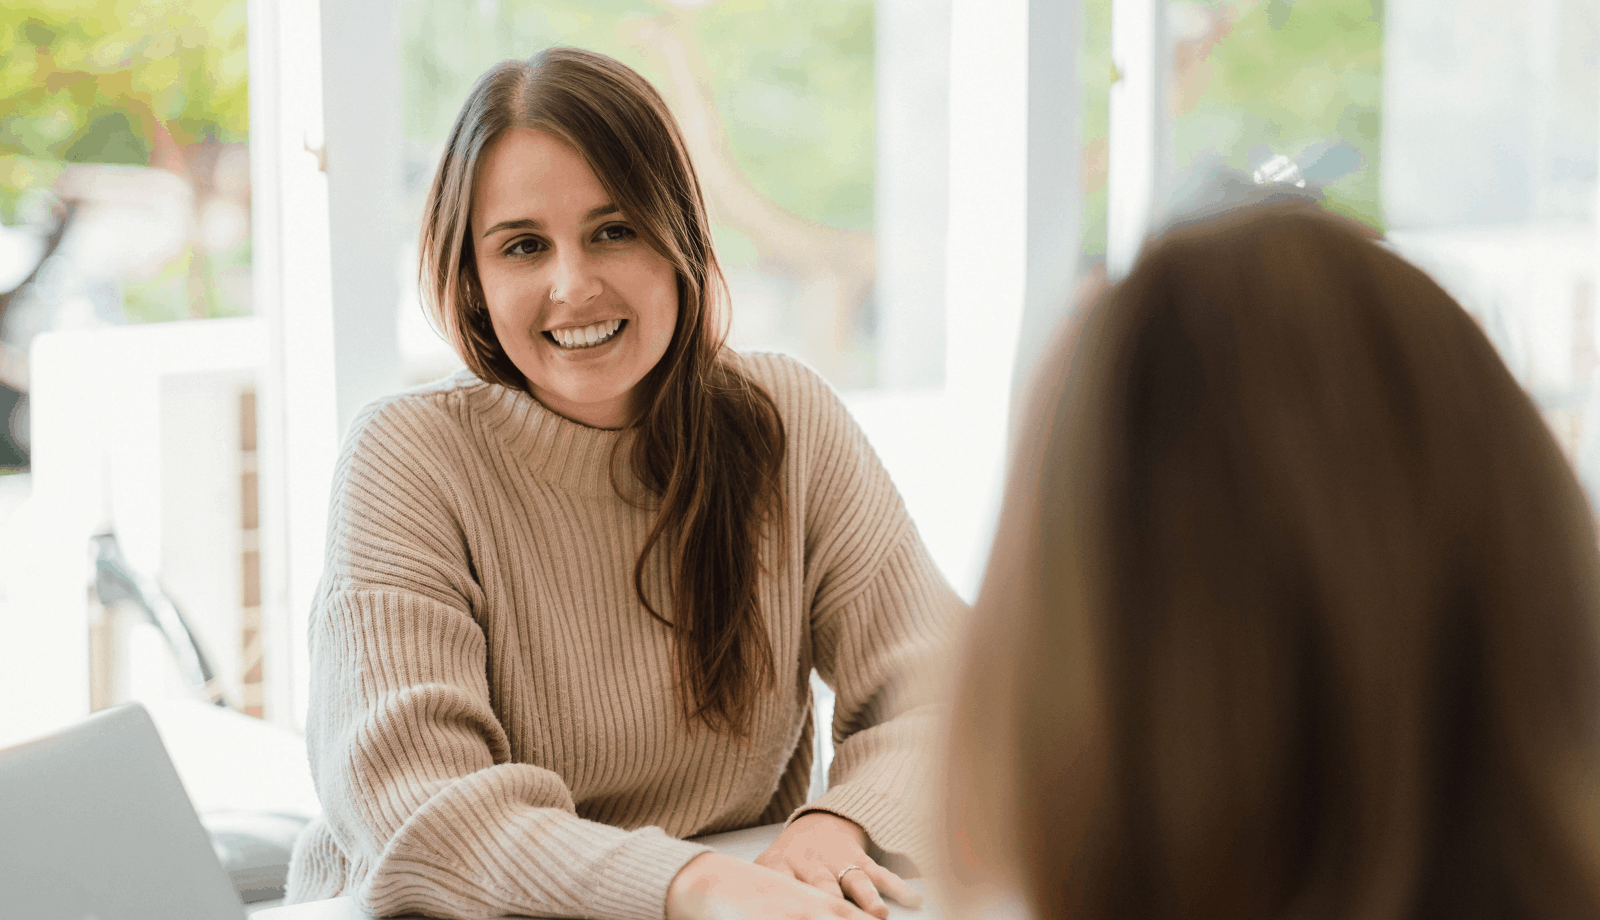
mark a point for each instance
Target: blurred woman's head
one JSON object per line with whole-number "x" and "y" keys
{"x": 1292, "y": 612}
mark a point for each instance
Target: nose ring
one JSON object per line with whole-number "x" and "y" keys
{"x": 554, "y": 298}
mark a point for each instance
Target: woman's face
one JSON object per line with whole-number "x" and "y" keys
{"x": 581, "y": 304}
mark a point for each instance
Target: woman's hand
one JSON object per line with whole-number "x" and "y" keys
{"x": 713, "y": 886}
{"x": 816, "y": 847}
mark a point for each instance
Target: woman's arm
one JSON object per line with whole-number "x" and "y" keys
{"x": 882, "y": 649}
{"x": 883, "y": 620}
{"x": 413, "y": 768}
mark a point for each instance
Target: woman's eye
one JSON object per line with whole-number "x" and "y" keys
{"x": 526, "y": 246}
{"x": 615, "y": 233}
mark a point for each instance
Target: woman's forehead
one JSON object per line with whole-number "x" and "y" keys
{"x": 529, "y": 174}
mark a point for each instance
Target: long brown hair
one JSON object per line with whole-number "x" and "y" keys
{"x": 709, "y": 443}
{"x": 1293, "y": 611}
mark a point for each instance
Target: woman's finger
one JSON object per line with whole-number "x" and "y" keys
{"x": 820, "y": 878}
{"x": 776, "y": 863}
{"x": 893, "y": 885}
{"x": 858, "y": 887}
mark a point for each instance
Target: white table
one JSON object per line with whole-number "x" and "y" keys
{"x": 746, "y": 844}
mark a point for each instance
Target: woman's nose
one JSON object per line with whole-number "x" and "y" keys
{"x": 575, "y": 279}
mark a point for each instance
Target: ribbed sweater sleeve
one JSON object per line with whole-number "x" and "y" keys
{"x": 422, "y": 798}
{"x": 882, "y": 622}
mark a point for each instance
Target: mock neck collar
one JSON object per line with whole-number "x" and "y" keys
{"x": 555, "y": 449}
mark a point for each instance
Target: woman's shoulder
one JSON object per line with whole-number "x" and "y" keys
{"x": 819, "y": 431}
{"x": 795, "y": 386}
{"x": 431, "y": 414}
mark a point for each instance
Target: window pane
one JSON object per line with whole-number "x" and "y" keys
{"x": 1465, "y": 131}
{"x": 1490, "y": 149}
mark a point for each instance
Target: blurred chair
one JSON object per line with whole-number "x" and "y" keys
{"x": 115, "y": 582}
{"x": 136, "y": 430}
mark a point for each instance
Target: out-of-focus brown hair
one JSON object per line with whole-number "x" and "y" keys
{"x": 709, "y": 443}
{"x": 1292, "y": 611}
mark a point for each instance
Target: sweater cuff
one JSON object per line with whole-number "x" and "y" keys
{"x": 889, "y": 823}
{"x": 633, "y": 884}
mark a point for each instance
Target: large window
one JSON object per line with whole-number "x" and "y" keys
{"x": 878, "y": 172}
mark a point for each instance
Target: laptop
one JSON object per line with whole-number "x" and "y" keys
{"x": 95, "y": 825}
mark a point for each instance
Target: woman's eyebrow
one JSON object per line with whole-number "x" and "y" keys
{"x": 528, "y": 223}
{"x": 521, "y": 223}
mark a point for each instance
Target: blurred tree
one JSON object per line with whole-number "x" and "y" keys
{"x": 158, "y": 83}
{"x": 1294, "y": 77}
{"x": 792, "y": 79}
{"x": 833, "y": 268}
{"x": 1251, "y": 78}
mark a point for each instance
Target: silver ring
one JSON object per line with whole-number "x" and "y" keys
{"x": 840, "y": 877}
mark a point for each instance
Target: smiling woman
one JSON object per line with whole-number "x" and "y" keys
{"x": 574, "y": 595}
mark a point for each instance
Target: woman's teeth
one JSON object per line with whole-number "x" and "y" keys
{"x": 585, "y": 336}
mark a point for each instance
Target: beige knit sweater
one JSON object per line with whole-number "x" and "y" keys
{"x": 492, "y": 725}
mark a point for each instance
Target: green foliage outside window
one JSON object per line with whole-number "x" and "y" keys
{"x": 792, "y": 78}
{"x": 1290, "y": 76}
{"x": 1285, "y": 76}
{"x": 145, "y": 83}
{"x": 142, "y": 83}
